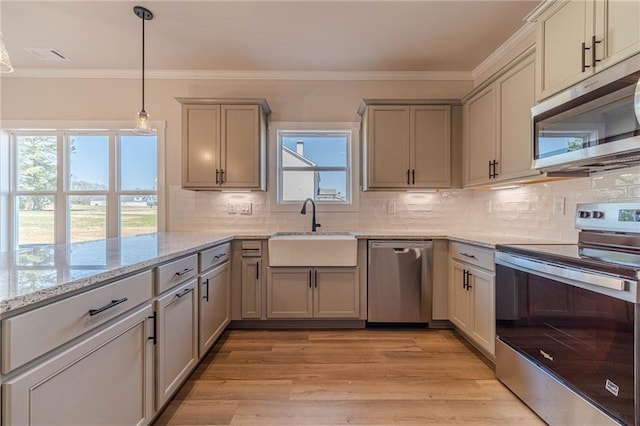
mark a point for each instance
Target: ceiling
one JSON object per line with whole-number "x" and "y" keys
{"x": 341, "y": 36}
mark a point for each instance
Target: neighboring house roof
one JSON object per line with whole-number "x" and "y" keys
{"x": 296, "y": 156}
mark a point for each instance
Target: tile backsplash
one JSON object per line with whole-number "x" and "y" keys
{"x": 543, "y": 210}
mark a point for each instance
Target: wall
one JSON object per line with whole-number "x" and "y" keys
{"x": 119, "y": 99}
{"x": 4, "y": 191}
{"x": 527, "y": 211}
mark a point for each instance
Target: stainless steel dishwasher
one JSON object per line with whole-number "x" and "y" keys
{"x": 399, "y": 281}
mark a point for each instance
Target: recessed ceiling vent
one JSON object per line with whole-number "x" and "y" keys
{"x": 46, "y": 54}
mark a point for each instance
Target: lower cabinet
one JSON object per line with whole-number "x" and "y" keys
{"x": 215, "y": 304}
{"x": 105, "y": 379}
{"x": 472, "y": 304}
{"x": 313, "y": 293}
{"x": 177, "y": 338}
{"x": 251, "y": 288}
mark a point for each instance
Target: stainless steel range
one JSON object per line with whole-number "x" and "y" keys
{"x": 568, "y": 318}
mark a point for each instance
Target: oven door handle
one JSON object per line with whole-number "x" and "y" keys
{"x": 599, "y": 280}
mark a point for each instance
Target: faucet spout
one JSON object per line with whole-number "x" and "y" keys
{"x": 314, "y": 224}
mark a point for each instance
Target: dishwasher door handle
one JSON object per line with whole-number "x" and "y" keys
{"x": 401, "y": 250}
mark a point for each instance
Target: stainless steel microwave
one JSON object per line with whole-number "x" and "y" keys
{"x": 592, "y": 126}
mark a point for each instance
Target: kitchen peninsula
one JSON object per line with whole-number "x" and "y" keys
{"x": 125, "y": 302}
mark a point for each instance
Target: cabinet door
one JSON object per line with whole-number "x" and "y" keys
{"x": 200, "y": 146}
{"x": 290, "y": 293}
{"x": 215, "y": 302}
{"x": 106, "y": 379}
{"x": 388, "y": 164}
{"x": 516, "y": 97}
{"x": 618, "y": 29}
{"x": 240, "y": 148}
{"x": 459, "y": 299}
{"x": 251, "y": 288}
{"x": 560, "y": 37}
{"x": 177, "y": 347}
{"x": 479, "y": 136}
{"x": 483, "y": 323}
{"x": 336, "y": 293}
{"x": 430, "y": 147}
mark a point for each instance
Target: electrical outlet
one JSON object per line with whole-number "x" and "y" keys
{"x": 559, "y": 206}
{"x": 245, "y": 208}
{"x": 232, "y": 208}
{"x": 391, "y": 207}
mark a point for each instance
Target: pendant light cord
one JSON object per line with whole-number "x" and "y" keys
{"x": 143, "y": 64}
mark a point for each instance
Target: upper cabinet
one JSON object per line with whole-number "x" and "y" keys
{"x": 406, "y": 146}
{"x": 577, "y": 38}
{"x": 497, "y": 127}
{"x": 224, "y": 144}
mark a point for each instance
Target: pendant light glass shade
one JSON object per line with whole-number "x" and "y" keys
{"x": 143, "y": 122}
{"x": 5, "y": 62}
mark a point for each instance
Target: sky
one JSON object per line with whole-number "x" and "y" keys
{"x": 90, "y": 161}
{"x": 324, "y": 151}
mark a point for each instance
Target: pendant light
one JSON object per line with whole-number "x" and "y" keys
{"x": 5, "y": 62}
{"x": 143, "y": 123}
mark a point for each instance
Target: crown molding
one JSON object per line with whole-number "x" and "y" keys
{"x": 540, "y": 9}
{"x": 242, "y": 75}
{"x": 525, "y": 31}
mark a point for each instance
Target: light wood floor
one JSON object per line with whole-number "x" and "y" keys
{"x": 363, "y": 377}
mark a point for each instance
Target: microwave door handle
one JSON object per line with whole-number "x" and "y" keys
{"x": 636, "y": 101}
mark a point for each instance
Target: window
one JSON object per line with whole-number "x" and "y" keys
{"x": 82, "y": 185}
{"x": 314, "y": 164}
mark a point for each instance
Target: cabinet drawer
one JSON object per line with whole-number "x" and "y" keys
{"x": 214, "y": 256}
{"x": 176, "y": 272}
{"x": 473, "y": 255}
{"x": 27, "y": 336}
{"x": 104, "y": 379}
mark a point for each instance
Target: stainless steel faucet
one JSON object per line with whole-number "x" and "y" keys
{"x": 314, "y": 225}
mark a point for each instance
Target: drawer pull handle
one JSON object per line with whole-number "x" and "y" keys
{"x": 113, "y": 303}
{"x": 184, "y": 292}
{"x": 472, "y": 256}
{"x": 221, "y": 255}
{"x": 184, "y": 271}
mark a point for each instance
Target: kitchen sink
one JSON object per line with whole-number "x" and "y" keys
{"x": 313, "y": 249}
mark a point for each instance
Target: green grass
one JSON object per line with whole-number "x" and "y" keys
{"x": 87, "y": 223}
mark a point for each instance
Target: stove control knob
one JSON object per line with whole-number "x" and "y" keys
{"x": 584, "y": 214}
{"x": 598, "y": 214}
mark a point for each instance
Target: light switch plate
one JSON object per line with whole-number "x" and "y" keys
{"x": 391, "y": 207}
{"x": 559, "y": 206}
{"x": 246, "y": 208}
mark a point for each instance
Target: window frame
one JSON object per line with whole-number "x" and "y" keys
{"x": 276, "y": 129}
{"x": 62, "y": 217}
{"x": 347, "y": 169}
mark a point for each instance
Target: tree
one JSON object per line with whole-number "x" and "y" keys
{"x": 38, "y": 169}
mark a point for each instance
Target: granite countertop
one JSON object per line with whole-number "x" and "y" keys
{"x": 487, "y": 240}
{"x": 34, "y": 276}
{"x": 29, "y": 276}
